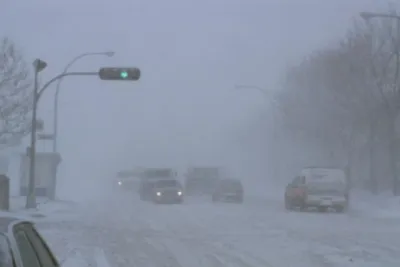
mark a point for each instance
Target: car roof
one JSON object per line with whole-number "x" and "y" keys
{"x": 7, "y": 220}
{"x": 323, "y": 167}
{"x": 166, "y": 180}
{"x": 229, "y": 180}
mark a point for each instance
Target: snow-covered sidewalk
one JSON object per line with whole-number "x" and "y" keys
{"x": 383, "y": 205}
{"x": 46, "y": 208}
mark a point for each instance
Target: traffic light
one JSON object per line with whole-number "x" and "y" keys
{"x": 119, "y": 74}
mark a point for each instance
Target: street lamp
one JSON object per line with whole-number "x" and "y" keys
{"x": 370, "y": 15}
{"x": 267, "y": 95}
{"x": 262, "y": 90}
{"x": 55, "y": 118}
{"x": 38, "y": 66}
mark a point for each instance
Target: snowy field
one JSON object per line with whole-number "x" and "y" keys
{"x": 122, "y": 231}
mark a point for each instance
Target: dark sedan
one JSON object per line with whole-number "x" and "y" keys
{"x": 167, "y": 191}
{"x": 228, "y": 190}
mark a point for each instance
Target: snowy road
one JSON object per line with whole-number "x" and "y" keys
{"x": 198, "y": 233}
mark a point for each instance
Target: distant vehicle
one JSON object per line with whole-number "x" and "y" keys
{"x": 22, "y": 246}
{"x": 228, "y": 190}
{"x": 159, "y": 173}
{"x": 167, "y": 191}
{"x": 128, "y": 180}
{"x": 320, "y": 188}
{"x": 201, "y": 180}
{"x": 152, "y": 175}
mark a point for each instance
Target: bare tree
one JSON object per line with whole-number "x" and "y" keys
{"x": 385, "y": 69}
{"x": 15, "y": 94}
{"x": 329, "y": 97}
{"x": 350, "y": 92}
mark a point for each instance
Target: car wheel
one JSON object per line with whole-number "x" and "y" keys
{"x": 340, "y": 209}
{"x": 322, "y": 209}
{"x": 288, "y": 205}
{"x": 303, "y": 207}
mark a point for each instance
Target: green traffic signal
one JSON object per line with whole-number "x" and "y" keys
{"x": 124, "y": 75}
{"x": 118, "y": 73}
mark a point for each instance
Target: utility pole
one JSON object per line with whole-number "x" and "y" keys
{"x": 38, "y": 66}
{"x": 275, "y": 135}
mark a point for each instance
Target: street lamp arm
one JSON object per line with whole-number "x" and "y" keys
{"x": 368, "y": 15}
{"x": 262, "y": 90}
{"x": 58, "y": 87}
{"x": 61, "y": 76}
{"x": 75, "y": 59}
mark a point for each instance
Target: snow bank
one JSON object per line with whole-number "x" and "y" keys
{"x": 383, "y": 205}
{"x": 57, "y": 209}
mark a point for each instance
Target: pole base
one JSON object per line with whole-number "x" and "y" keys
{"x": 30, "y": 202}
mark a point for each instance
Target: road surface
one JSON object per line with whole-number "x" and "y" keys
{"x": 199, "y": 233}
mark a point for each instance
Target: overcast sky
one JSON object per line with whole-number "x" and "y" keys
{"x": 184, "y": 109}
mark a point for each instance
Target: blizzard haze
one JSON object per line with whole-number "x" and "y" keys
{"x": 184, "y": 110}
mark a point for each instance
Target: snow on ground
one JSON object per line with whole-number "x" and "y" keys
{"x": 59, "y": 222}
{"x": 122, "y": 231}
{"x": 198, "y": 233}
{"x": 383, "y": 205}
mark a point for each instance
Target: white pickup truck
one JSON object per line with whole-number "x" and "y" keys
{"x": 318, "y": 187}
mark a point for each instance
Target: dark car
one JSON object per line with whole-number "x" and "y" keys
{"x": 22, "y": 246}
{"x": 228, "y": 190}
{"x": 167, "y": 191}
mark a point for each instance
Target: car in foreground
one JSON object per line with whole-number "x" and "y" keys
{"x": 321, "y": 188}
{"x": 22, "y": 246}
{"x": 228, "y": 190}
{"x": 167, "y": 191}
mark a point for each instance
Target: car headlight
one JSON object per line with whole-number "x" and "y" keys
{"x": 179, "y": 193}
{"x": 119, "y": 183}
{"x": 158, "y": 193}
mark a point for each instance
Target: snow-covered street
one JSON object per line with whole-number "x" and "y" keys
{"x": 198, "y": 233}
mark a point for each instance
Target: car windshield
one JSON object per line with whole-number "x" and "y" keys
{"x": 167, "y": 183}
{"x": 205, "y": 172}
{"x": 158, "y": 173}
{"x": 6, "y": 259}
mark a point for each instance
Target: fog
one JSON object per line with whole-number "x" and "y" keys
{"x": 184, "y": 110}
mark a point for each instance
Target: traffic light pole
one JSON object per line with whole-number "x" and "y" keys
{"x": 31, "y": 194}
